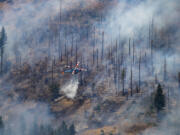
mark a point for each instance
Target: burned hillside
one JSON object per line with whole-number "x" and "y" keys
{"x": 89, "y": 67}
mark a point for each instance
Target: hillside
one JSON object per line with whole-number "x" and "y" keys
{"x": 127, "y": 80}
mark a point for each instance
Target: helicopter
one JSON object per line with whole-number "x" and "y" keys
{"x": 74, "y": 70}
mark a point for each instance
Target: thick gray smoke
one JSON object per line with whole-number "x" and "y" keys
{"x": 132, "y": 18}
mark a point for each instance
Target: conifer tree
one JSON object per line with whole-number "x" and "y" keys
{"x": 64, "y": 129}
{"x": 102, "y": 132}
{"x": 72, "y": 130}
{"x": 123, "y": 76}
{"x": 1, "y": 126}
{"x": 3, "y": 40}
{"x": 159, "y": 100}
{"x": 1, "y": 123}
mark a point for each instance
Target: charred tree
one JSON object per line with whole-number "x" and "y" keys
{"x": 59, "y": 44}
{"x": 97, "y": 57}
{"x": 76, "y": 52}
{"x": 165, "y": 70}
{"x": 139, "y": 72}
{"x": 179, "y": 79}
{"x": 133, "y": 51}
{"x": 152, "y": 44}
{"x": 72, "y": 45}
{"x": 102, "y": 49}
{"x": 131, "y": 78}
{"x": 129, "y": 47}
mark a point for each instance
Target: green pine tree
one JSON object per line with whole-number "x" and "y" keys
{"x": 1, "y": 125}
{"x": 3, "y": 40}
{"x": 64, "y": 129}
{"x": 72, "y": 130}
{"x": 123, "y": 76}
{"x": 102, "y": 132}
{"x": 159, "y": 100}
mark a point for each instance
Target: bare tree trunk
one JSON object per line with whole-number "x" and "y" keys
{"x": 140, "y": 72}
{"x": 72, "y": 45}
{"x": 123, "y": 87}
{"x": 165, "y": 70}
{"x": 59, "y": 45}
{"x": 152, "y": 42}
{"x": 67, "y": 59}
{"x": 179, "y": 79}
{"x": 97, "y": 53}
{"x": 52, "y": 73}
{"x": 133, "y": 51}
{"x": 76, "y": 51}
{"x": 129, "y": 47}
{"x": 93, "y": 55}
{"x": 49, "y": 42}
{"x": 131, "y": 80}
{"x": 2, "y": 52}
{"x": 81, "y": 75}
{"x": 88, "y": 32}
{"x": 102, "y": 51}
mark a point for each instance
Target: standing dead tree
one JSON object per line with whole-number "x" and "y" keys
{"x": 102, "y": 50}
{"x": 139, "y": 88}
{"x": 97, "y": 57}
{"x": 133, "y": 51}
{"x": 76, "y": 51}
{"x": 131, "y": 80}
{"x": 94, "y": 44}
{"x": 165, "y": 70}
{"x": 129, "y": 47}
{"x": 179, "y": 79}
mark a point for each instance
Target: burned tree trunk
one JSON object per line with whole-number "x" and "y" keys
{"x": 93, "y": 55}
{"x": 131, "y": 80}
{"x": 129, "y": 47}
{"x": 97, "y": 55}
{"x": 133, "y": 51}
{"x": 165, "y": 70}
{"x": 76, "y": 52}
{"x": 72, "y": 45}
{"x": 52, "y": 72}
{"x": 59, "y": 45}
{"x": 139, "y": 72}
{"x": 102, "y": 50}
{"x": 179, "y": 79}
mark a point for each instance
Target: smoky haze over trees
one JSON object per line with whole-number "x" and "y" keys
{"x": 123, "y": 55}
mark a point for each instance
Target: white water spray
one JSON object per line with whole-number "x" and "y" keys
{"x": 70, "y": 88}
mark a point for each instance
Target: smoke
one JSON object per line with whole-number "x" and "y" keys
{"x": 129, "y": 19}
{"x": 19, "y": 117}
{"x": 70, "y": 88}
{"x": 169, "y": 125}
